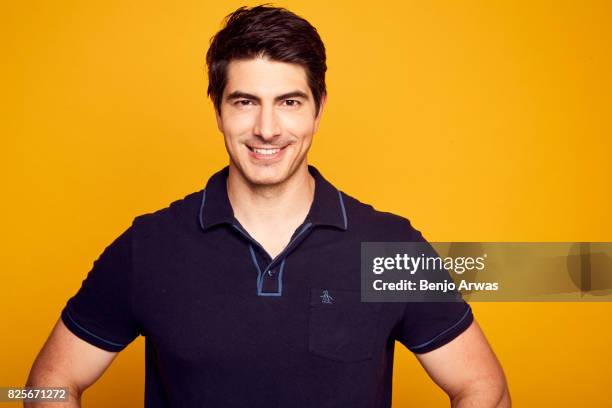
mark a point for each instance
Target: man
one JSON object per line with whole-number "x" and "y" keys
{"x": 248, "y": 291}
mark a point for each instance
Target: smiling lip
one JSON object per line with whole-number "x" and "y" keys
{"x": 266, "y": 153}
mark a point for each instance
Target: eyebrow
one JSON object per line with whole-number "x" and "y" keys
{"x": 244, "y": 95}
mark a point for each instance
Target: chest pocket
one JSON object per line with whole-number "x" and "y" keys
{"x": 341, "y": 327}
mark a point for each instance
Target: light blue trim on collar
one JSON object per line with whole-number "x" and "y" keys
{"x": 200, "y": 215}
{"x": 343, "y": 210}
{"x": 255, "y": 260}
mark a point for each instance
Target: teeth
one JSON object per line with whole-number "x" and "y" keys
{"x": 266, "y": 151}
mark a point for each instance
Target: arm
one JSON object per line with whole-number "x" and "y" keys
{"x": 67, "y": 361}
{"x": 468, "y": 371}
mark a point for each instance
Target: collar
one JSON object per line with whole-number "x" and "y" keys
{"x": 327, "y": 206}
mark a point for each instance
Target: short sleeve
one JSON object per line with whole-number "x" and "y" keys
{"x": 101, "y": 311}
{"x": 426, "y": 326}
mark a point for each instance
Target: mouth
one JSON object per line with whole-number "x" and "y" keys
{"x": 266, "y": 153}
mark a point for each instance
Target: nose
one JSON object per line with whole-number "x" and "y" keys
{"x": 266, "y": 124}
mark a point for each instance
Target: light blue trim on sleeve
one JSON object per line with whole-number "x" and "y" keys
{"x": 467, "y": 312}
{"x": 91, "y": 334}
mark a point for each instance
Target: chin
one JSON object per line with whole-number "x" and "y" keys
{"x": 266, "y": 176}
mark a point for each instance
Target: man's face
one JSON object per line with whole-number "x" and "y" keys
{"x": 267, "y": 118}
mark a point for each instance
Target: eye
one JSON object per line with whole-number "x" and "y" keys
{"x": 291, "y": 102}
{"x": 243, "y": 102}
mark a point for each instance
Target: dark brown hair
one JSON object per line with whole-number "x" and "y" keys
{"x": 271, "y": 32}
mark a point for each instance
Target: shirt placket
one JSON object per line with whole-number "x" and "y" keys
{"x": 270, "y": 272}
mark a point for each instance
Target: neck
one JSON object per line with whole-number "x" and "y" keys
{"x": 265, "y": 206}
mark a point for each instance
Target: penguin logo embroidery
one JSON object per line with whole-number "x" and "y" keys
{"x": 326, "y": 298}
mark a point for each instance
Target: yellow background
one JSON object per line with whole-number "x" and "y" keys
{"x": 478, "y": 120}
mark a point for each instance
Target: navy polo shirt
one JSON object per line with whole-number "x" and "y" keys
{"x": 227, "y": 325}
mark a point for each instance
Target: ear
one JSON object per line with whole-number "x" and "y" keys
{"x": 320, "y": 113}
{"x": 219, "y": 120}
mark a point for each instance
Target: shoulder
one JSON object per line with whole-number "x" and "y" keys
{"x": 376, "y": 225}
{"x": 180, "y": 214}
